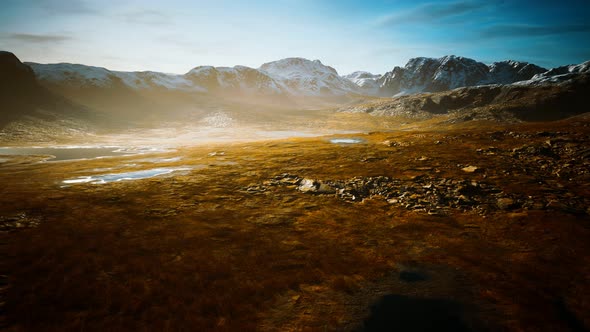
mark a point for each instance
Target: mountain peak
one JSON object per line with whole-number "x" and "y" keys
{"x": 309, "y": 76}
{"x": 296, "y": 66}
{"x": 10, "y": 65}
{"x": 451, "y": 71}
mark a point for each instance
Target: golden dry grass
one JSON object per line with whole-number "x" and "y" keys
{"x": 193, "y": 251}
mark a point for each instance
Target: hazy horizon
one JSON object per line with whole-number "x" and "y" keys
{"x": 374, "y": 36}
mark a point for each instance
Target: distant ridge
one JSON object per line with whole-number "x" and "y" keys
{"x": 299, "y": 77}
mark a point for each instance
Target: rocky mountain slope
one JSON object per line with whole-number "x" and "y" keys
{"x": 294, "y": 78}
{"x": 543, "y": 98}
{"x": 366, "y": 81}
{"x": 22, "y": 96}
{"x": 558, "y": 75}
{"x": 239, "y": 79}
{"x": 312, "y": 78}
{"x": 287, "y": 77}
{"x": 450, "y": 72}
{"x": 130, "y": 99}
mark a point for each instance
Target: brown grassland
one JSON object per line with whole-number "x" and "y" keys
{"x": 196, "y": 250}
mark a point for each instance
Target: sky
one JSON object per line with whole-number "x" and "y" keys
{"x": 373, "y": 35}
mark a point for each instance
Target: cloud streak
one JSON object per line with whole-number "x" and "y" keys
{"x": 522, "y": 30}
{"x": 71, "y": 7}
{"x": 433, "y": 12}
{"x": 148, "y": 17}
{"x": 37, "y": 39}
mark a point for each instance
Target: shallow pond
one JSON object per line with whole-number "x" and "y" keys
{"x": 75, "y": 152}
{"x": 346, "y": 140}
{"x": 134, "y": 175}
{"x": 65, "y": 153}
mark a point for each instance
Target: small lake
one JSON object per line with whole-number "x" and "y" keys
{"x": 74, "y": 153}
{"x": 116, "y": 177}
{"x": 65, "y": 153}
{"x": 346, "y": 141}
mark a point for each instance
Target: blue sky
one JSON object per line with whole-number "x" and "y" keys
{"x": 177, "y": 35}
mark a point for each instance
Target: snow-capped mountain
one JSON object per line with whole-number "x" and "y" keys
{"x": 558, "y": 75}
{"x": 72, "y": 74}
{"x": 237, "y": 79}
{"x": 427, "y": 74}
{"x": 507, "y": 72}
{"x": 88, "y": 76}
{"x": 450, "y": 72}
{"x": 151, "y": 79}
{"x": 22, "y": 95}
{"x": 312, "y": 78}
{"x": 292, "y": 76}
{"x": 366, "y": 81}
{"x": 296, "y": 77}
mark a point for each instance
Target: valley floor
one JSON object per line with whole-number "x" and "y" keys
{"x": 474, "y": 228}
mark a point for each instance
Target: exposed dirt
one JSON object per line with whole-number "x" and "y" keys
{"x": 476, "y": 227}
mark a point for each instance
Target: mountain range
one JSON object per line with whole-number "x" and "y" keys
{"x": 291, "y": 76}
{"x": 21, "y": 94}
{"x": 77, "y": 91}
{"x": 297, "y": 77}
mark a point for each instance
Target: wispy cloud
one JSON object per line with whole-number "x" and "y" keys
{"x": 523, "y": 30}
{"x": 70, "y": 7}
{"x": 37, "y": 39}
{"x": 434, "y": 12}
{"x": 413, "y": 49}
{"x": 147, "y": 16}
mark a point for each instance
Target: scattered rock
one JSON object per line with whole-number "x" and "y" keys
{"x": 470, "y": 169}
{"x": 325, "y": 189}
{"x": 505, "y": 203}
{"x": 387, "y": 143}
{"x": 308, "y": 185}
{"x": 427, "y": 194}
{"x": 556, "y": 205}
{"x": 395, "y": 144}
{"x": 18, "y": 221}
{"x": 433, "y": 196}
{"x": 488, "y": 151}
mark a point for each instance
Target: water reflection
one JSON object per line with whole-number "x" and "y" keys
{"x": 115, "y": 177}
{"x": 67, "y": 153}
{"x": 78, "y": 152}
{"x": 346, "y": 140}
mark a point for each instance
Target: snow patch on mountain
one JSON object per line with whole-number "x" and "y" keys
{"x": 150, "y": 79}
{"x": 558, "y": 75}
{"x": 365, "y": 80}
{"x": 238, "y": 79}
{"x": 430, "y": 75}
{"x": 72, "y": 74}
{"x": 297, "y": 67}
{"x": 218, "y": 120}
{"x": 302, "y": 77}
{"x": 305, "y": 77}
{"x": 450, "y": 72}
{"x": 507, "y": 72}
{"x": 89, "y": 76}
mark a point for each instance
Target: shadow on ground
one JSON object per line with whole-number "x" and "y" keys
{"x": 403, "y": 313}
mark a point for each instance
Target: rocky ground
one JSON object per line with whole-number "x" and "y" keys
{"x": 480, "y": 227}
{"x": 559, "y": 155}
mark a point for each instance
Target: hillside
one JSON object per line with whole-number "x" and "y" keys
{"x": 543, "y": 98}
{"x": 29, "y": 111}
{"x": 447, "y": 73}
